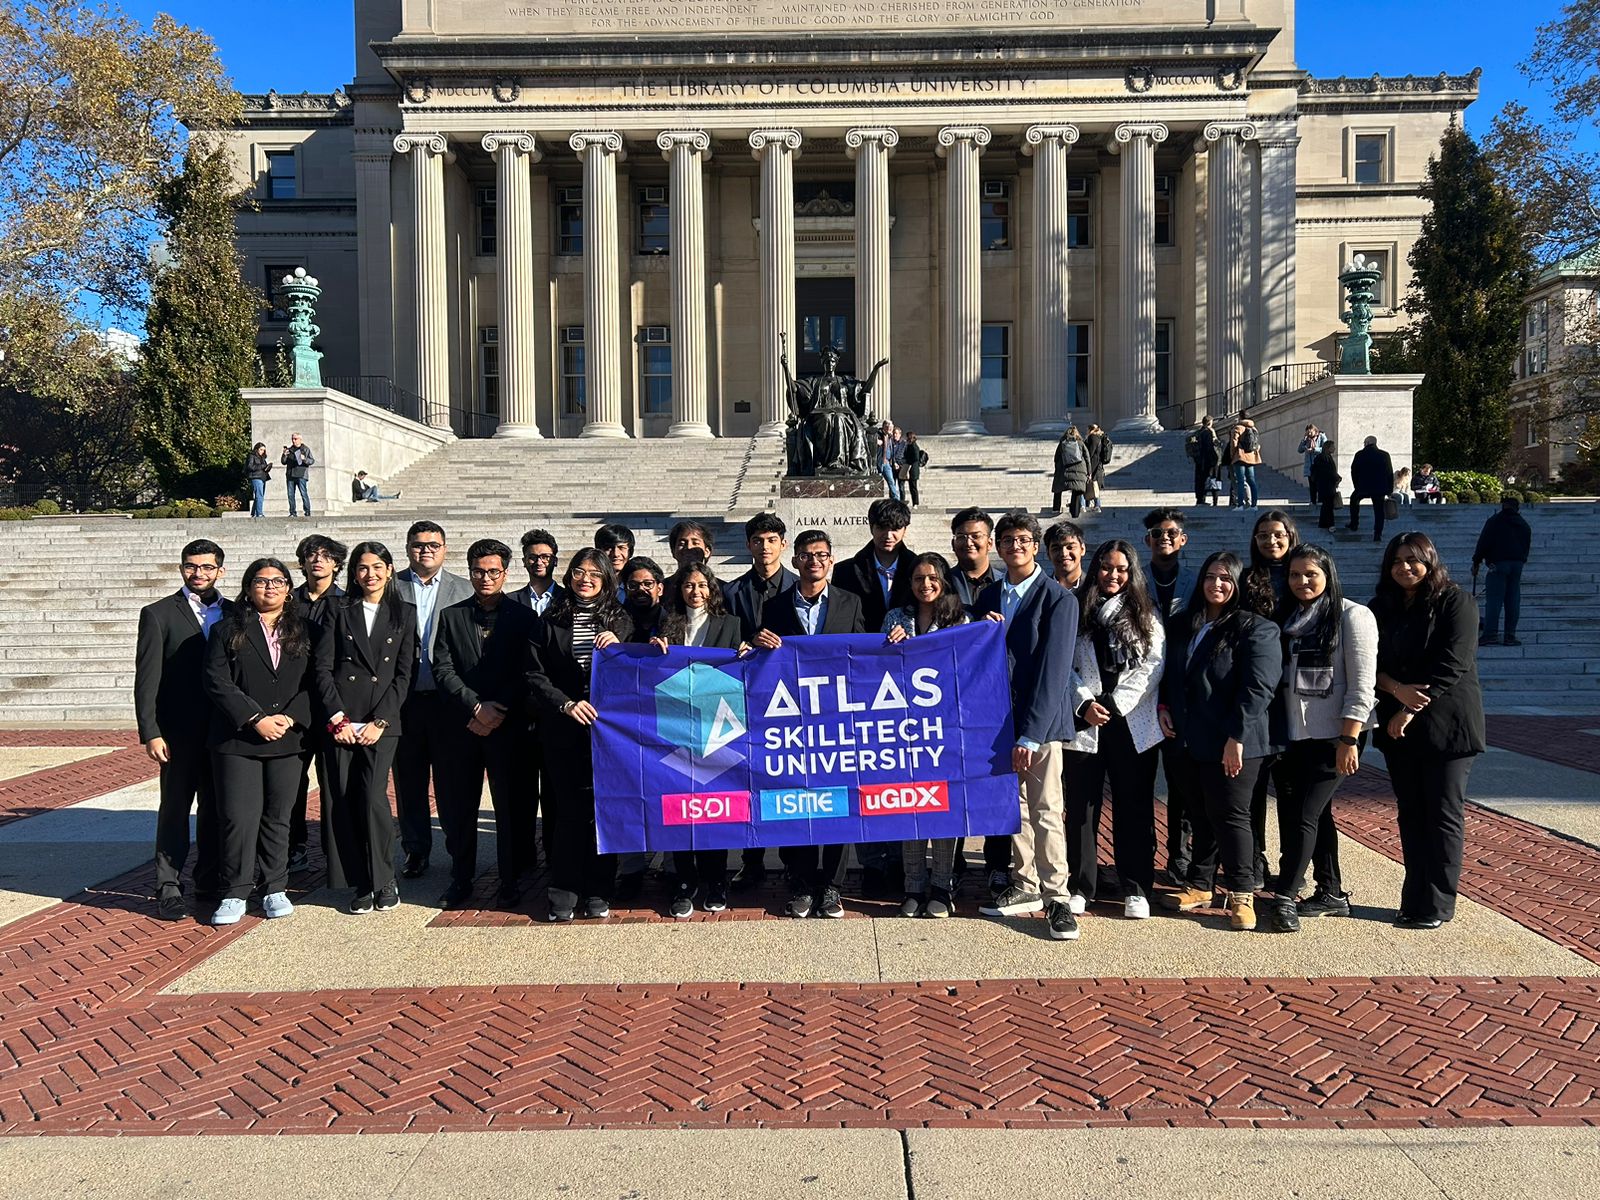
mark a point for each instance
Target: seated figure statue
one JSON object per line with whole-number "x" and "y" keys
{"x": 830, "y": 419}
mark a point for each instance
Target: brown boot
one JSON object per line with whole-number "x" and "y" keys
{"x": 1241, "y": 910}
{"x": 1187, "y": 900}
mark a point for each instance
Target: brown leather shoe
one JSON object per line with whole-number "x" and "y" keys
{"x": 1186, "y": 900}
{"x": 1241, "y": 910}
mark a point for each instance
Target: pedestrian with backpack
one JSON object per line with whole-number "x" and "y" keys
{"x": 1201, "y": 447}
{"x": 1246, "y": 458}
{"x": 1097, "y": 444}
{"x": 915, "y": 459}
{"x": 1072, "y": 470}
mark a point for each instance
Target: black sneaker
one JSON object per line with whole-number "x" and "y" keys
{"x": 831, "y": 905}
{"x": 800, "y": 905}
{"x": 169, "y": 907}
{"x": 297, "y": 858}
{"x": 1323, "y": 904}
{"x": 1513, "y": 640}
{"x": 596, "y": 908}
{"x": 940, "y": 904}
{"x": 1489, "y": 639}
{"x": 388, "y": 897}
{"x": 715, "y": 898}
{"x": 911, "y": 906}
{"x": 1063, "y": 925}
{"x": 999, "y": 881}
{"x": 1014, "y": 901}
{"x": 362, "y": 903}
{"x": 682, "y": 903}
{"x": 456, "y": 895}
{"x": 1285, "y": 919}
{"x": 560, "y": 911}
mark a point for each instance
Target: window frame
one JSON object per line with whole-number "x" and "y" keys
{"x": 573, "y": 383}
{"x": 1080, "y": 197}
{"x": 272, "y": 274}
{"x": 1383, "y": 138}
{"x": 1164, "y": 360}
{"x": 485, "y": 207}
{"x": 489, "y": 379}
{"x": 647, "y": 210}
{"x": 654, "y": 338}
{"x": 569, "y": 201}
{"x": 269, "y": 181}
{"x": 1004, "y": 356}
{"x": 1167, "y": 200}
{"x": 1080, "y": 362}
{"x": 996, "y": 194}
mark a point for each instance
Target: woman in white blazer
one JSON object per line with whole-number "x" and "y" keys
{"x": 1116, "y": 682}
{"x": 1329, "y": 698}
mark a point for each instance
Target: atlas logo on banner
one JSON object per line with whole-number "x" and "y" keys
{"x": 700, "y": 710}
{"x": 899, "y": 799}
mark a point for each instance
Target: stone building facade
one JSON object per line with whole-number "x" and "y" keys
{"x": 1558, "y": 366}
{"x": 605, "y": 218}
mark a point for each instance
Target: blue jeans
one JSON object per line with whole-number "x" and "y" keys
{"x": 1504, "y": 586}
{"x": 1244, "y": 475}
{"x": 887, "y": 471}
{"x": 258, "y": 497}
{"x": 299, "y": 486}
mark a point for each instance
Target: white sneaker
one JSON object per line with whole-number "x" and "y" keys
{"x": 277, "y": 905}
{"x": 229, "y": 912}
{"x": 1136, "y": 908}
{"x": 1077, "y": 904}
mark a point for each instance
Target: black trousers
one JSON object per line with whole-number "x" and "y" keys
{"x": 813, "y": 869}
{"x": 1305, "y": 779}
{"x": 1182, "y": 802}
{"x": 1258, "y": 817}
{"x": 1133, "y": 811}
{"x": 254, "y": 796}
{"x": 187, "y": 782}
{"x": 575, "y": 862}
{"x": 1227, "y": 834}
{"x": 319, "y": 741}
{"x": 1202, "y": 476}
{"x": 1329, "y": 499}
{"x": 1075, "y": 503}
{"x": 697, "y": 868}
{"x": 423, "y": 716}
{"x": 997, "y": 853}
{"x": 1430, "y": 791}
{"x": 357, "y": 826}
{"x": 465, "y": 761}
{"x": 1377, "y": 513}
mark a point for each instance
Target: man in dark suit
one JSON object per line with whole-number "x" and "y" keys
{"x": 539, "y": 560}
{"x": 481, "y": 661}
{"x": 811, "y": 608}
{"x": 880, "y": 572}
{"x": 321, "y": 559}
{"x": 432, "y": 589}
{"x": 174, "y": 718}
{"x": 1371, "y": 477}
{"x": 1041, "y": 619}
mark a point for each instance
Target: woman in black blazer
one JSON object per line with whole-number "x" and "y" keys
{"x": 1223, "y": 667}
{"x": 1266, "y": 588}
{"x": 364, "y": 659}
{"x": 587, "y": 618}
{"x": 259, "y": 677}
{"x": 1430, "y": 719}
{"x": 692, "y": 615}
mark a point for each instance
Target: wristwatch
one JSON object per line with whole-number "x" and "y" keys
{"x": 1345, "y": 739}
{"x": 380, "y": 724}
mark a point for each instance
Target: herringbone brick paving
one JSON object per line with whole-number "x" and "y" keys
{"x": 88, "y": 1045}
{"x": 1565, "y": 741}
{"x": 58, "y": 787}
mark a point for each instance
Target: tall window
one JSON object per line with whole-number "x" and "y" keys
{"x": 574, "y": 395}
{"x": 484, "y": 203}
{"x": 1163, "y": 363}
{"x": 655, "y": 221}
{"x": 996, "y": 368}
{"x": 1164, "y": 222}
{"x": 1381, "y": 260}
{"x": 272, "y": 280}
{"x": 489, "y": 369}
{"x": 994, "y": 215}
{"x": 1078, "y": 365}
{"x": 1536, "y": 340}
{"x": 569, "y": 220}
{"x": 655, "y": 370}
{"x": 1370, "y": 151}
{"x": 1080, "y": 212}
{"x": 281, "y": 180}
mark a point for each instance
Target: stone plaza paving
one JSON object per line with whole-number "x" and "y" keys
{"x": 421, "y": 1022}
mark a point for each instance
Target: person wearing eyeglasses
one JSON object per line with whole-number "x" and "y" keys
{"x": 643, "y": 586}
{"x": 431, "y": 589}
{"x": 173, "y": 711}
{"x": 480, "y": 660}
{"x": 539, "y": 552}
{"x": 321, "y": 559}
{"x": 259, "y": 676}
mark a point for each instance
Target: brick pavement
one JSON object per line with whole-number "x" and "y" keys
{"x": 1565, "y": 741}
{"x": 88, "y": 1043}
{"x": 57, "y": 787}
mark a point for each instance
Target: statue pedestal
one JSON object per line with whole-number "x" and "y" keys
{"x": 832, "y": 487}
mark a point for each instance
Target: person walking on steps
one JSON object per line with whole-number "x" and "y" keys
{"x": 1097, "y": 444}
{"x": 1371, "y": 478}
{"x": 1503, "y": 544}
{"x": 1071, "y": 471}
{"x": 297, "y": 457}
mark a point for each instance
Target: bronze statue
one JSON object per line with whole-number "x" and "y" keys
{"x": 830, "y": 419}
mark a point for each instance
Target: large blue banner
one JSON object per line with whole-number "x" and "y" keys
{"x": 825, "y": 739}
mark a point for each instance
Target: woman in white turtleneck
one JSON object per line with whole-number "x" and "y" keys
{"x": 693, "y": 616}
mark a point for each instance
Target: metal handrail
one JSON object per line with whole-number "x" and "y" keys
{"x": 382, "y": 392}
{"x": 1270, "y": 384}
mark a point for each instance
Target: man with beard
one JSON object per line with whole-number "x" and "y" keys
{"x": 539, "y": 552}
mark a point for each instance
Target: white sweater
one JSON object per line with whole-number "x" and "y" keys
{"x": 1354, "y": 696}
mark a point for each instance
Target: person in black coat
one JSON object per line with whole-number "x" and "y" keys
{"x": 1224, "y": 664}
{"x": 259, "y": 677}
{"x": 1071, "y": 470}
{"x": 694, "y": 617}
{"x": 258, "y": 469}
{"x": 1371, "y": 478}
{"x": 1503, "y": 543}
{"x": 173, "y": 712}
{"x": 1430, "y": 719}
{"x": 321, "y": 559}
{"x": 879, "y": 574}
{"x": 365, "y": 653}
{"x": 586, "y": 619}
{"x": 1205, "y": 461}
{"x": 1325, "y": 481}
{"x": 480, "y": 660}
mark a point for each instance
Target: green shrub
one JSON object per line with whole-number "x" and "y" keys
{"x": 162, "y": 512}
{"x": 47, "y": 508}
{"x": 1535, "y": 498}
{"x": 1450, "y": 497}
{"x": 1468, "y": 496}
{"x": 15, "y": 514}
{"x": 1511, "y": 494}
{"x": 227, "y": 503}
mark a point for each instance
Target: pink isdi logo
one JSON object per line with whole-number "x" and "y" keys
{"x": 705, "y": 808}
{"x": 893, "y": 799}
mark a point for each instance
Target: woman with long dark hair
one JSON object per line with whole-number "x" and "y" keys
{"x": 1223, "y": 667}
{"x": 933, "y": 606}
{"x": 1117, "y": 680}
{"x": 259, "y": 678}
{"x": 585, "y": 619}
{"x": 1430, "y": 719}
{"x": 1071, "y": 470}
{"x": 1266, "y": 589}
{"x": 364, "y": 660}
{"x": 258, "y": 469}
{"x": 692, "y": 615}
{"x": 1330, "y": 656}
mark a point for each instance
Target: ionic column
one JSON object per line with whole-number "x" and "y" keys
{"x": 684, "y": 150}
{"x": 1276, "y": 179}
{"x": 871, "y": 149}
{"x": 960, "y": 146}
{"x": 1048, "y": 144}
{"x": 514, "y": 154}
{"x": 374, "y": 156}
{"x": 775, "y": 150}
{"x": 1227, "y": 264}
{"x": 1137, "y": 378}
{"x": 602, "y": 334}
{"x": 428, "y": 152}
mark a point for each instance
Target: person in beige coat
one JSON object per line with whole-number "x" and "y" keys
{"x": 1244, "y": 446}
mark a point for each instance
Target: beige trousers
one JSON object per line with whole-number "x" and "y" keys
{"x": 1039, "y": 849}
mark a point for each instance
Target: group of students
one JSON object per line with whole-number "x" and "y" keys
{"x": 1234, "y": 674}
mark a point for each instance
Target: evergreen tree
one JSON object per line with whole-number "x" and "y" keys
{"x": 200, "y": 346}
{"x": 1471, "y": 270}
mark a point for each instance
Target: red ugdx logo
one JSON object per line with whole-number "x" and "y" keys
{"x": 895, "y": 799}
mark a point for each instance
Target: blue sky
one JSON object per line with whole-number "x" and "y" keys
{"x": 305, "y": 45}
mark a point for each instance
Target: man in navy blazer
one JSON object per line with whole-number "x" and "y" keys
{"x": 1041, "y": 619}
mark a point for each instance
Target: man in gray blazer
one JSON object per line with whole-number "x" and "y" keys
{"x": 1172, "y": 582}
{"x": 431, "y": 589}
